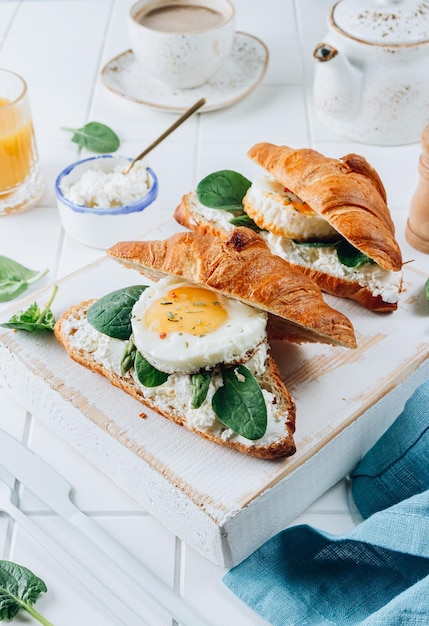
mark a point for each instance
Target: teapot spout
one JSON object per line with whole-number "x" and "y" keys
{"x": 337, "y": 82}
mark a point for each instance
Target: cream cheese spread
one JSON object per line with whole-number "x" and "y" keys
{"x": 378, "y": 281}
{"x": 175, "y": 394}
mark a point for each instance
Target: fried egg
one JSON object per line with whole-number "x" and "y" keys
{"x": 280, "y": 211}
{"x": 180, "y": 327}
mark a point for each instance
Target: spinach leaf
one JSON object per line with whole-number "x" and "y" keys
{"x": 427, "y": 289}
{"x": 245, "y": 220}
{"x": 19, "y": 589}
{"x": 95, "y": 137}
{"x": 240, "y": 404}
{"x": 350, "y": 256}
{"x": 15, "y": 278}
{"x": 200, "y": 383}
{"x": 111, "y": 314}
{"x": 224, "y": 189}
{"x": 33, "y": 318}
{"x": 347, "y": 254}
{"x": 148, "y": 375}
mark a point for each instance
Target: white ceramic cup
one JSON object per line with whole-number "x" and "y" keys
{"x": 182, "y": 43}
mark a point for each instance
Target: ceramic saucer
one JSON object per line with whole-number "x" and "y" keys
{"x": 242, "y": 72}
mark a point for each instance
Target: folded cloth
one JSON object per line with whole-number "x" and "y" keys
{"x": 376, "y": 575}
{"x": 397, "y": 466}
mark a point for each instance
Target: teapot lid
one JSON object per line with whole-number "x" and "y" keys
{"x": 384, "y": 22}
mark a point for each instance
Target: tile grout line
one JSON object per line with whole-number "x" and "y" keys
{"x": 304, "y": 90}
{"x": 178, "y": 574}
{"x": 100, "y": 56}
{"x": 12, "y": 19}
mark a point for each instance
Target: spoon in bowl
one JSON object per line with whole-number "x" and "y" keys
{"x": 165, "y": 134}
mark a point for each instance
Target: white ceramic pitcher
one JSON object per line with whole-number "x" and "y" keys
{"x": 371, "y": 79}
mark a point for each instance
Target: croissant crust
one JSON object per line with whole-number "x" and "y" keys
{"x": 243, "y": 267}
{"x": 347, "y": 192}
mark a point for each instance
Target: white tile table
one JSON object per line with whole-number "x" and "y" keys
{"x": 60, "y": 46}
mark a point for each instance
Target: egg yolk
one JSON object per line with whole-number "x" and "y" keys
{"x": 192, "y": 310}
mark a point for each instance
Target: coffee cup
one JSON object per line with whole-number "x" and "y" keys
{"x": 181, "y": 43}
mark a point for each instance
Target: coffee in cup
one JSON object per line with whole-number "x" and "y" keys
{"x": 182, "y": 43}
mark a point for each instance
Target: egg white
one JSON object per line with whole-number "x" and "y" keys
{"x": 270, "y": 207}
{"x": 182, "y": 352}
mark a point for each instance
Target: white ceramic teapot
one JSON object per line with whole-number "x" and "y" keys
{"x": 371, "y": 80}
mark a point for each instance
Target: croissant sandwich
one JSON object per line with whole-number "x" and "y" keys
{"x": 194, "y": 344}
{"x": 327, "y": 216}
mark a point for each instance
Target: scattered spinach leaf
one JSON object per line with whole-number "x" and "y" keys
{"x": 224, "y": 189}
{"x": 350, "y": 256}
{"x": 15, "y": 278}
{"x": 111, "y": 314}
{"x": 19, "y": 589}
{"x": 427, "y": 289}
{"x": 200, "y": 383}
{"x": 240, "y": 404}
{"x": 33, "y": 318}
{"x": 95, "y": 137}
{"x": 148, "y": 375}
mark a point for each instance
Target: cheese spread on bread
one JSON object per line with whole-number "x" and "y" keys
{"x": 174, "y": 396}
{"x": 378, "y": 281}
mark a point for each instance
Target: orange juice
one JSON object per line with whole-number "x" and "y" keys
{"x": 21, "y": 180}
{"x": 16, "y": 145}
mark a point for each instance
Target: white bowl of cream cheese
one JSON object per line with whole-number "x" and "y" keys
{"x": 98, "y": 205}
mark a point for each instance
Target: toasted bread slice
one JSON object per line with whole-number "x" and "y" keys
{"x": 72, "y": 329}
{"x": 242, "y": 267}
{"x": 376, "y": 289}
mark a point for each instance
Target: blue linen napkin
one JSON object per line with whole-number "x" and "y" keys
{"x": 377, "y": 574}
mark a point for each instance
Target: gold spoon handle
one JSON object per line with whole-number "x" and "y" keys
{"x": 165, "y": 134}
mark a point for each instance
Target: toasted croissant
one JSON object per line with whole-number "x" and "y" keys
{"x": 243, "y": 267}
{"x": 347, "y": 192}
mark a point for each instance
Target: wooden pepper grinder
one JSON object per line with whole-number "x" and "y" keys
{"x": 417, "y": 229}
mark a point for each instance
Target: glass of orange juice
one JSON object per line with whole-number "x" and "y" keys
{"x": 21, "y": 182}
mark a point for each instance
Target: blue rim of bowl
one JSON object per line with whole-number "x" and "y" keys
{"x": 121, "y": 210}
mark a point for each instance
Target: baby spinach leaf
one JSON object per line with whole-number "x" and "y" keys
{"x": 200, "y": 383}
{"x": 33, "y": 318}
{"x": 427, "y": 289}
{"x": 111, "y": 314}
{"x": 19, "y": 589}
{"x": 224, "y": 189}
{"x": 350, "y": 256}
{"x": 95, "y": 137}
{"x": 245, "y": 220}
{"x": 240, "y": 404}
{"x": 15, "y": 278}
{"x": 347, "y": 254}
{"x": 148, "y": 375}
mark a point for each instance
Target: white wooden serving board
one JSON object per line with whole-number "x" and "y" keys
{"x": 222, "y": 503}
